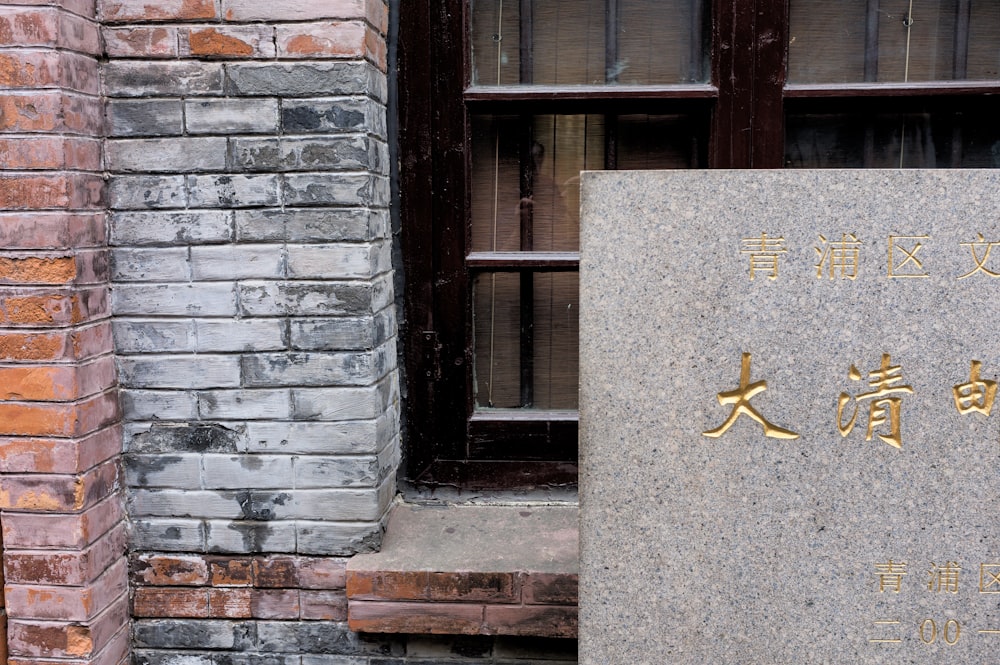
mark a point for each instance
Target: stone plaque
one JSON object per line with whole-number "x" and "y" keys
{"x": 790, "y": 427}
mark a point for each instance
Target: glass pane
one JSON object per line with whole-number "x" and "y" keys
{"x": 526, "y": 331}
{"x": 559, "y": 42}
{"x": 526, "y": 170}
{"x": 914, "y": 140}
{"x": 851, "y": 41}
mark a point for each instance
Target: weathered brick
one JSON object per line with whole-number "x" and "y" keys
{"x": 158, "y": 657}
{"x": 172, "y": 155}
{"x": 195, "y": 438}
{"x": 240, "y": 335}
{"x": 343, "y": 261}
{"x": 31, "y": 640}
{"x": 243, "y": 471}
{"x": 65, "y": 568}
{"x": 336, "y": 403}
{"x": 306, "y": 79}
{"x": 163, "y": 264}
{"x": 322, "y": 573}
{"x": 144, "y": 42}
{"x": 156, "y": 335}
{"x": 243, "y": 536}
{"x": 333, "y": 504}
{"x": 342, "y": 333}
{"x": 323, "y": 605}
{"x": 291, "y": 10}
{"x": 50, "y": 110}
{"x": 127, "y": 78}
{"x": 306, "y": 189}
{"x": 334, "y": 539}
{"x": 170, "y": 570}
{"x": 35, "y": 191}
{"x": 147, "y": 191}
{"x": 68, "y": 603}
{"x": 314, "y": 369}
{"x": 76, "y": 531}
{"x": 550, "y": 589}
{"x": 306, "y": 225}
{"x": 229, "y": 603}
{"x": 322, "y": 472}
{"x": 50, "y": 152}
{"x": 333, "y": 39}
{"x": 275, "y": 603}
{"x": 170, "y": 228}
{"x": 244, "y": 404}
{"x": 145, "y": 117}
{"x": 179, "y": 371}
{"x": 159, "y": 405}
{"x": 313, "y": 637}
{"x": 153, "y": 10}
{"x": 162, "y": 470}
{"x": 51, "y": 230}
{"x": 233, "y": 191}
{"x": 54, "y": 268}
{"x": 50, "y": 306}
{"x": 231, "y": 116}
{"x": 23, "y": 68}
{"x": 232, "y": 41}
{"x": 354, "y": 437}
{"x": 174, "y": 603}
{"x": 344, "y": 114}
{"x": 389, "y": 617}
{"x": 188, "y": 503}
{"x": 538, "y": 620}
{"x": 210, "y": 299}
{"x": 278, "y": 572}
{"x": 69, "y": 456}
{"x": 305, "y": 298}
{"x": 231, "y": 571}
{"x": 59, "y": 493}
{"x": 168, "y": 535}
{"x": 187, "y": 634}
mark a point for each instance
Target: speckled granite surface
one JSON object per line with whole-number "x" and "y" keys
{"x": 748, "y": 548}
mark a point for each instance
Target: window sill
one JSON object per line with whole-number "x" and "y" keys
{"x": 470, "y": 570}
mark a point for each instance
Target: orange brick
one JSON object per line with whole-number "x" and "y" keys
{"x": 41, "y": 531}
{"x": 531, "y": 620}
{"x": 274, "y": 603}
{"x": 73, "y": 419}
{"x": 37, "y": 270}
{"x": 157, "y": 10}
{"x": 27, "y": 191}
{"x": 168, "y": 602}
{"x": 70, "y": 456}
{"x": 56, "y": 382}
{"x": 231, "y": 572}
{"x": 68, "y": 603}
{"x": 276, "y": 572}
{"x": 30, "y": 639}
{"x": 52, "y": 307}
{"x": 322, "y": 573}
{"x": 58, "y": 493}
{"x": 468, "y": 587}
{"x": 322, "y": 605}
{"x": 440, "y": 618}
{"x": 210, "y": 42}
{"x": 50, "y": 152}
{"x": 66, "y": 568}
{"x": 49, "y": 69}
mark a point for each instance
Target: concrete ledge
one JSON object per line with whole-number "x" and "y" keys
{"x": 470, "y": 570}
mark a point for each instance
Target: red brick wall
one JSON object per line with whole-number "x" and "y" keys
{"x": 60, "y": 502}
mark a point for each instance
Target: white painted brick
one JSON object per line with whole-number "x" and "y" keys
{"x": 138, "y": 192}
{"x": 244, "y": 404}
{"x": 335, "y": 403}
{"x": 168, "y": 535}
{"x": 207, "y": 299}
{"x": 332, "y": 298}
{"x": 353, "y": 437}
{"x": 158, "y": 405}
{"x": 183, "y": 503}
{"x": 247, "y": 471}
{"x": 243, "y": 537}
{"x": 228, "y": 262}
{"x": 232, "y": 191}
{"x": 171, "y": 228}
{"x": 312, "y": 369}
{"x": 179, "y": 371}
{"x": 239, "y": 334}
{"x": 231, "y": 116}
{"x": 175, "y": 471}
{"x": 153, "y": 335}
{"x": 162, "y": 264}
{"x": 337, "y": 539}
{"x": 172, "y": 155}
{"x": 341, "y": 261}
{"x": 321, "y": 472}
{"x": 331, "y": 504}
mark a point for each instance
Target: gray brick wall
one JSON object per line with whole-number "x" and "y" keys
{"x": 253, "y": 303}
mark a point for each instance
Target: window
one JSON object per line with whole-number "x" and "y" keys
{"x": 504, "y": 102}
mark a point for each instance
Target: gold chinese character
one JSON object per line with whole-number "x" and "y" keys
{"x": 890, "y": 575}
{"x": 882, "y": 406}
{"x": 908, "y": 265}
{"x": 842, "y": 256}
{"x": 740, "y": 399}
{"x": 989, "y": 578}
{"x": 980, "y": 262}
{"x": 889, "y": 635}
{"x": 975, "y": 395}
{"x": 764, "y": 253}
{"x": 944, "y": 579}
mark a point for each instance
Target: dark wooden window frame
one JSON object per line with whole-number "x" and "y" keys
{"x": 448, "y": 442}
